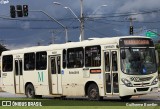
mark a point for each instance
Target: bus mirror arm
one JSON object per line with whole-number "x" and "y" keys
{"x": 123, "y": 54}
{"x": 157, "y": 57}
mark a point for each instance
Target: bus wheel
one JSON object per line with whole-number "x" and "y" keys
{"x": 124, "y": 98}
{"x": 30, "y": 92}
{"x": 93, "y": 92}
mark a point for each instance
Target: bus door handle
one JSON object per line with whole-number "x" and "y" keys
{"x": 85, "y": 68}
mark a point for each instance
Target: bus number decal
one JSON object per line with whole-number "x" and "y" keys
{"x": 40, "y": 77}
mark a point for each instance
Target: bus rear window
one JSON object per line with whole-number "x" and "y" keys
{"x": 7, "y": 63}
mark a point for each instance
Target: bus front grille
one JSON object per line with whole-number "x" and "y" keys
{"x": 142, "y": 84}
{"x": 142, "y": 89}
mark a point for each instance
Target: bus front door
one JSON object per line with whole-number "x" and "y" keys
{"x": 18, "y": 76}
{"x": 55, "y": 71}
{"x": 111, "y": 72}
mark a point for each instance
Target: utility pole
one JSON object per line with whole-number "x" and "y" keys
{"x": 53, "y": 37}
{"x": 81, "y": 22}
{"x": 81, "y": 19}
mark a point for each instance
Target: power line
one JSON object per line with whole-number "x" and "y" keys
{"x": 122, "y": 21}
{"x": 31, "y": 19}
{"x": 124, "y": 14}
{"x": 35, "y": 28}
{"x": 102, "y": 16}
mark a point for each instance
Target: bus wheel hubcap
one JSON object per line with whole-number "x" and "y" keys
{"x": 30, "y": 92}
{"x": 93, "y": 93}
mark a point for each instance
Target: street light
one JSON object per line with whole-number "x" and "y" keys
{"x": 65, "y": 28}
{"x": 94, "y": 12}
{"x": 98, "y": 9}
{"x": 72, "y": 13}
{"x": 57, "y": 3}
{"x": 81, "y": 20}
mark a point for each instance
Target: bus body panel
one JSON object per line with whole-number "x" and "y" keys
{"x": 39, "y": 79}
{"x": 139, "y": 88}
{"x": 8, "y": 82}
{"x": 72, "y": 81}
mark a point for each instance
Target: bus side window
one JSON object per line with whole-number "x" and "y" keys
{"x": 107, "y": 62}
{"x": 41, "y": 60}
{"x": 53, "y": 65}
{"x": 59, "y": 64}
{"x": 7, "y": 63}
{"x": 114, "y": 61}
{"x": 93, "y": 56}
{"x": 75, "y": 57}
{"x": 64, "y": 58}
{"x": 29, "y": 61}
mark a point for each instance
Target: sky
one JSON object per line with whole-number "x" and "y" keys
{"x": 99, "y": 21}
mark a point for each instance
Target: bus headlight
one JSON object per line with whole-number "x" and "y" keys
{"x": 126, "y": 82}
{"x": 155, "y": 81}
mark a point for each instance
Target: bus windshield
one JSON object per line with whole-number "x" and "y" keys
{"x": 138, "y": 61}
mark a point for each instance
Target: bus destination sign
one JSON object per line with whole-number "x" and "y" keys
{"x": 135, "y": 42}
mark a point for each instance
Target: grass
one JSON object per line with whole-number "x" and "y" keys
{"x": 82, "y": 107}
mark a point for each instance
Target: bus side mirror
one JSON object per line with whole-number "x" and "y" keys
{"x": 123, "y": 54}
{"x": 157, "y": 57}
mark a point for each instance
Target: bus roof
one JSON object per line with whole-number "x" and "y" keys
{"x": 90, "y": 42}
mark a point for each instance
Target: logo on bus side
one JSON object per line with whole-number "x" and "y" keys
{"x": 40, "y": 77}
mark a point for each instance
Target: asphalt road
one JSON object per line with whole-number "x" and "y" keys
{"x": 148, "y": 97}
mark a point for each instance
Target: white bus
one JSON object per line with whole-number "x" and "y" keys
{"x": 118, "y": 66}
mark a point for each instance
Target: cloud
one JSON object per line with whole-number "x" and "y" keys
{"x": 17, "y": 46}
{"x": 136, "y": 6}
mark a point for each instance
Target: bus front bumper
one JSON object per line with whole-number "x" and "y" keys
{"x": 124, "y": 90}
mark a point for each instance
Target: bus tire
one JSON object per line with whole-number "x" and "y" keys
{"x": 93, "y": 93}
{"x": 125, "y": 98}
{"x": 30, "y": 92}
